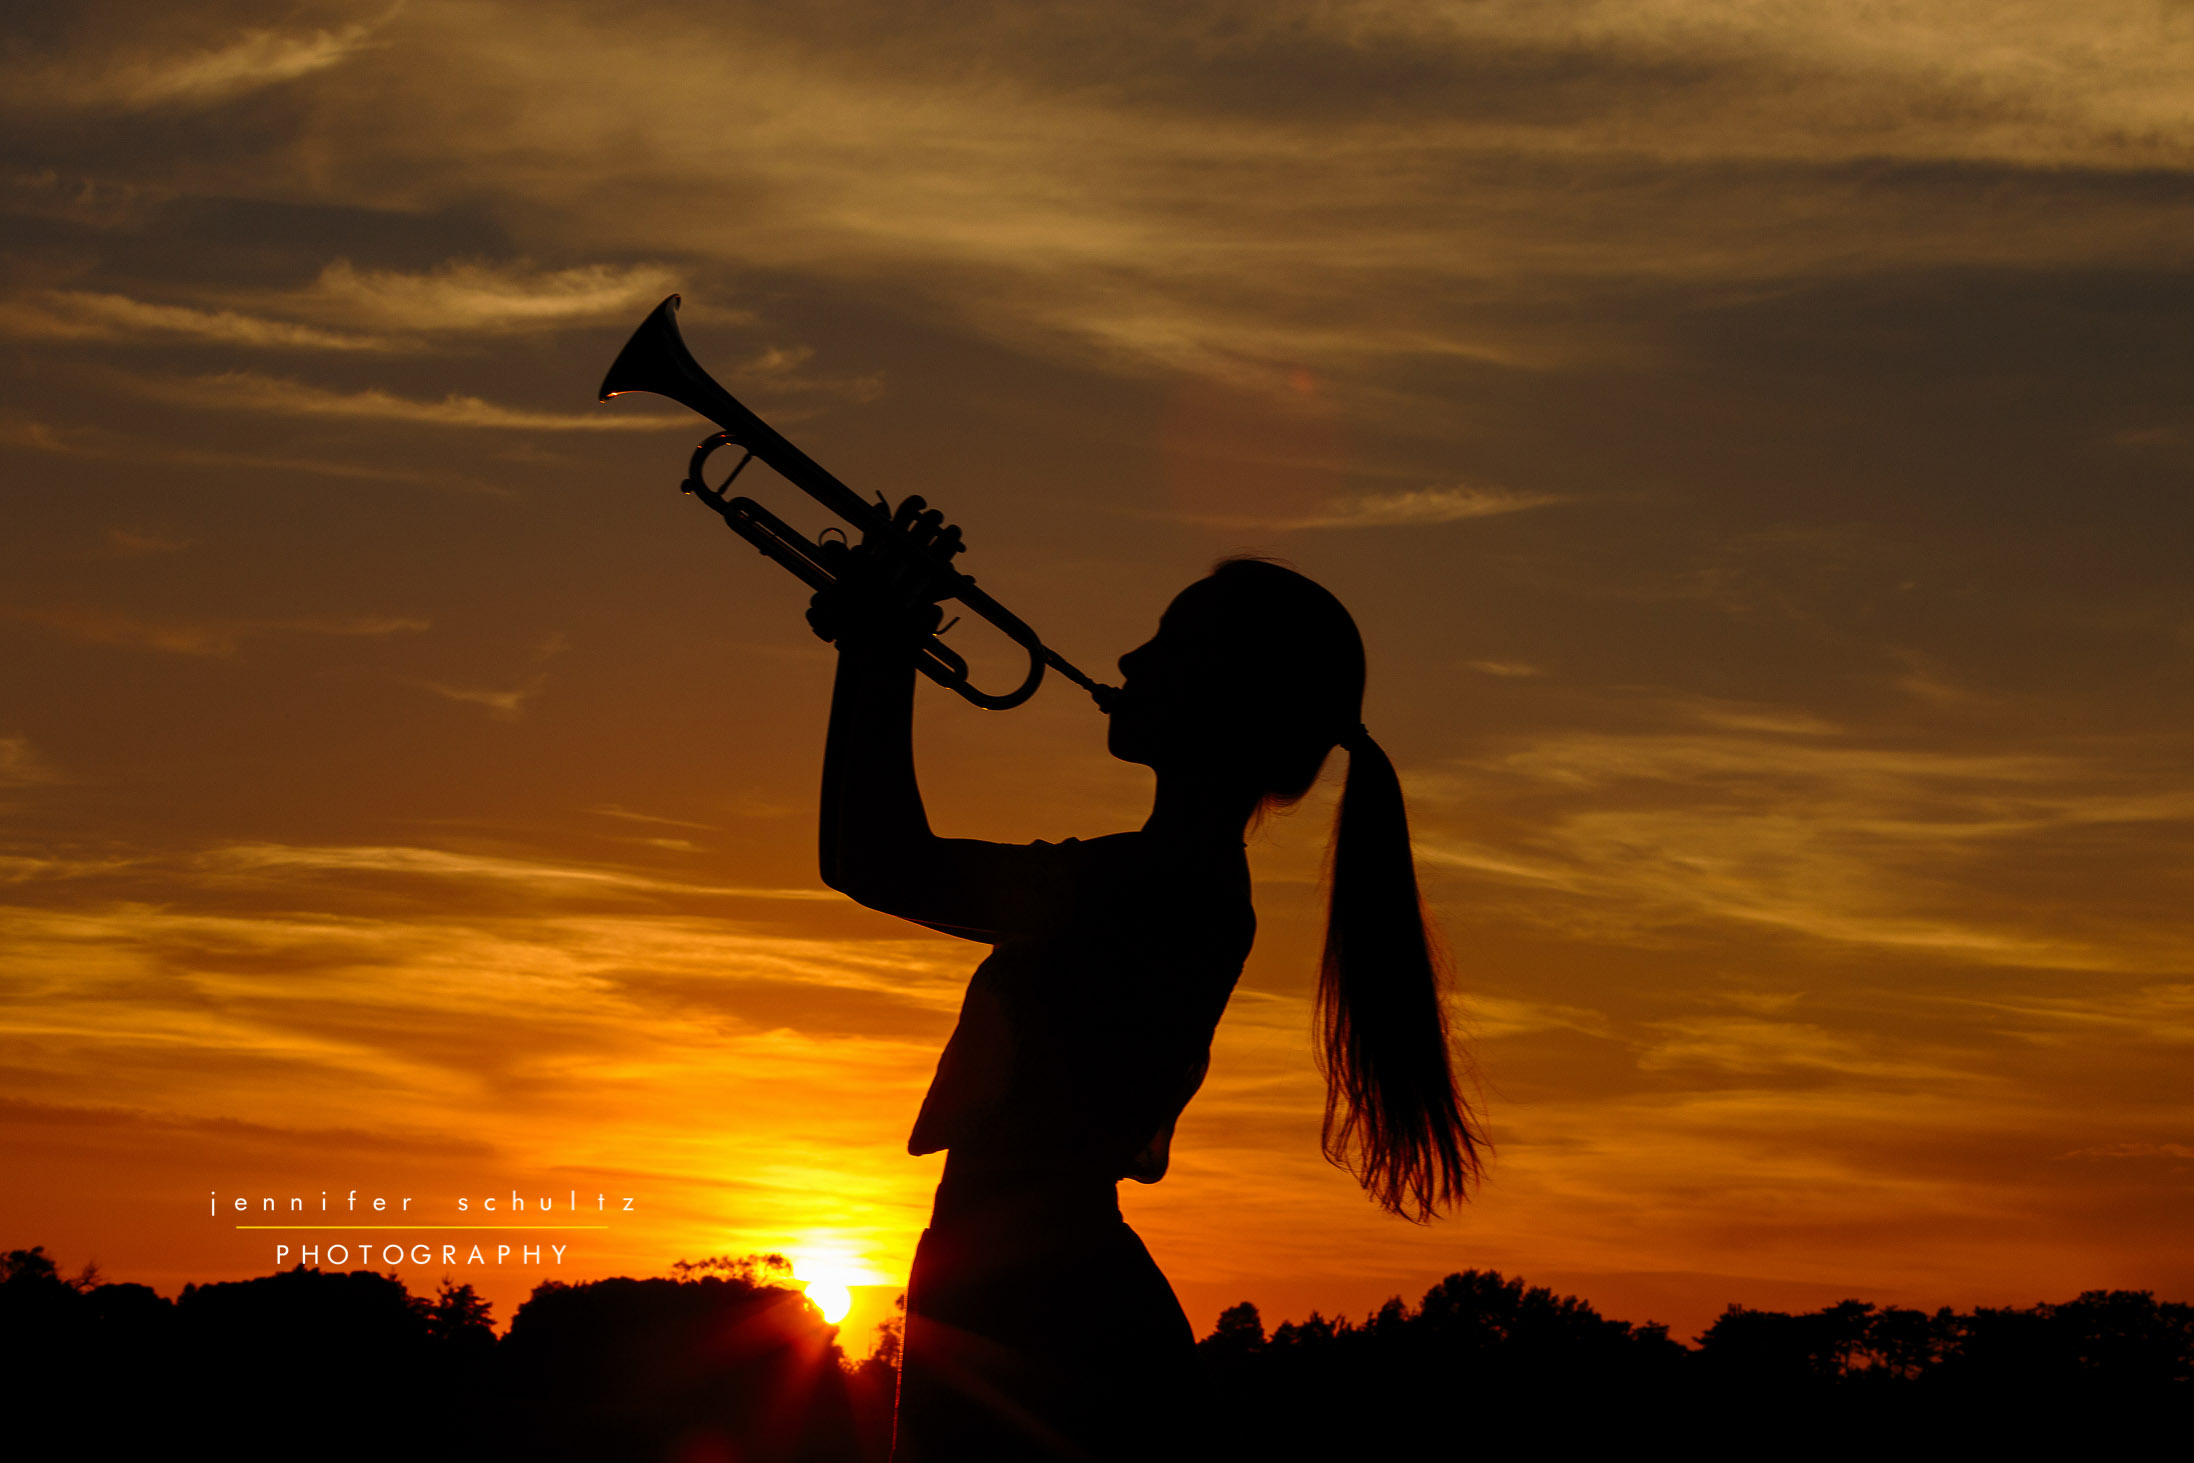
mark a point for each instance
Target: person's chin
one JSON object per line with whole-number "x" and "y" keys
{"x": 1127, "y": 747}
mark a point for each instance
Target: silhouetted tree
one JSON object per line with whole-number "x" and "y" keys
{"x": 459, "y": 1317}
{"x": 771, "y": 1269}
{"x": 44, "y": 1327}
{"x": 343, "y": 1360}
{"x": 1906, "y": 1345}
{"x": 640, "y": 1369}
{"x": 2127, "y": 1340}
{"x": 1239, "y": 1333}
{"x": 1544, "y": 1366}
{"x": 873, "y": 1385}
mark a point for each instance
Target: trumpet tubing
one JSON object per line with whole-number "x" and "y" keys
{"x": 656, "y": 360}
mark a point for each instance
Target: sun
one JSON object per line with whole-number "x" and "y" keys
{"x": 828, "y": 1276}
{"x": 832, "y": 1297}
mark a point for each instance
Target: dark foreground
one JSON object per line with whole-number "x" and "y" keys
{"x": 728, "y": 1361}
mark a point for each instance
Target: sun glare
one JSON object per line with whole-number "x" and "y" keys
{"x": 831, "y": 1298}
{"x": 828, "y": 1277}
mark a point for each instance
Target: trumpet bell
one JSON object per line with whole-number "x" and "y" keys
{"x": 655, "y": 359}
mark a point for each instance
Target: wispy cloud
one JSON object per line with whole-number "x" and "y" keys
{"x": 351, "y": 309}
{"x": 1418, "y": 508}
{"x": 1492, "y": 1017}
{"x": 472, "y": 296}
{"x": 2135, "y": 1150}
{"x": 509, "y": 705}
{"x": 87, "y": 200}
{"x": 1779, "y": 820}
{"x": 18, "y": 431}
{"x": 19, "y": 868}
{"x": 546, "y": 876}
{"x": 250, "y": 60}
{"x": 1422, "y": 506}
{"x": 21, "y": 766}
{"x": 224, "y": 637}
{"x": 610, "y": 810}
{"x": 2161, "y": 1013}
{"x": 95, "y": 315}
{"x": 1756, "y": 1047}
{"x": 785, "y": 369}
{"x": 251, "y": 391}
{"x": 1927, "y": 683}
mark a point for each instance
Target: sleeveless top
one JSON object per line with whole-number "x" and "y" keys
{"x": 1087, "y": 1030}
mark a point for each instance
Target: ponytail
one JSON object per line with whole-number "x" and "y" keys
{"x": 1394, "y": 1116}
{"x": 1294, "y": 671}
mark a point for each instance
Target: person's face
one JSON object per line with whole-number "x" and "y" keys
{"x": 1172, "y": 689}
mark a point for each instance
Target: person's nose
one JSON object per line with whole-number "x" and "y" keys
{"x": 1138, "y": 656}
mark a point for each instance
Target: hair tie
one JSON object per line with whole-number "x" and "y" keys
{"x": 1357, "y": 738}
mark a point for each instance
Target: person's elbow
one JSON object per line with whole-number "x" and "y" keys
{"x": 898, "y": 876}
{"x": 836, "y": 875}
{"x": 859, "y": 880}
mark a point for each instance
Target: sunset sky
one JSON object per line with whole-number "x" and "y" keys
{"x": 1754, "y": 438}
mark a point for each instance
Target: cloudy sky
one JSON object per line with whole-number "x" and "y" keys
{"x": 1754, "y": 438}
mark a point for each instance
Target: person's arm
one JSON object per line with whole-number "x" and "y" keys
{"x": 874, "y": 837}
{"x": 873, "y": 823}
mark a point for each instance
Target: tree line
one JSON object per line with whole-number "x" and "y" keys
{"x": 726, "y": 1359}
{"x": 1488, "y": 1362}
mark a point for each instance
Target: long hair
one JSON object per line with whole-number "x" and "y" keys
{"x": 1395, "y": 1115}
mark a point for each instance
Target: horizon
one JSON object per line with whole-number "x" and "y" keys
{"x": 857, "y": 1339}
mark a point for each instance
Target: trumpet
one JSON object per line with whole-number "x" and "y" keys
{"x": 656, "y": 360}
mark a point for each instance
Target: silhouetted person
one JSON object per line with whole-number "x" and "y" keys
{"x": 1037, "y": 1324}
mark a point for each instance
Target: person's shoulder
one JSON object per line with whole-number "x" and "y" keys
{"x": 1066, "y": 862}
{"x": 1134, "y": 849}
{"x": 1170, "y": 868}
{"x": 1103, "y": 847}
{"x": 1092, "y": 866}
{"x": 1139, "y": 860}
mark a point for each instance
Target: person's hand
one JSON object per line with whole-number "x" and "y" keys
{"x": 882, "y": 597}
